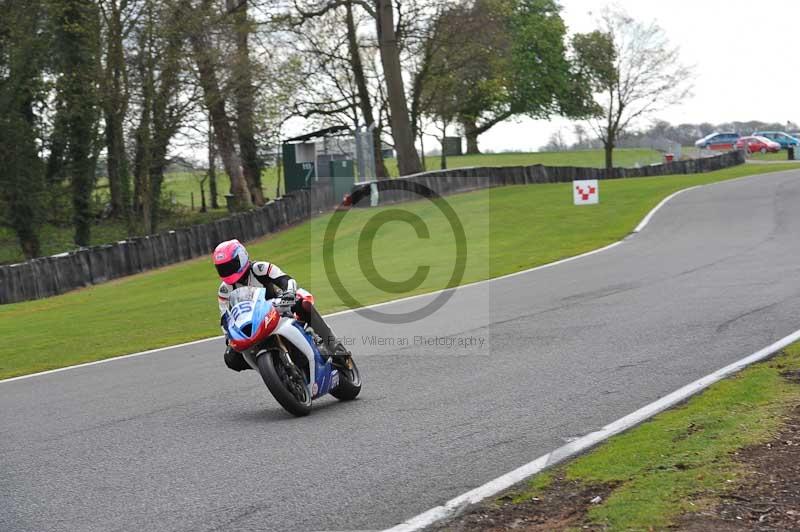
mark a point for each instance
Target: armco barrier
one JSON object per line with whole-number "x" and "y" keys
{"x": 49, "y": 276}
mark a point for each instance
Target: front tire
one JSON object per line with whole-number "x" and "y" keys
{"x": 349, "y": 383}
{"x": 286, "y": 382}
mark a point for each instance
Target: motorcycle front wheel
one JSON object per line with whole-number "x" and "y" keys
{"x": 285, "y": 381}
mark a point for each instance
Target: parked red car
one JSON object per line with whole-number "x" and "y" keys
{"x": 757, "y": 143}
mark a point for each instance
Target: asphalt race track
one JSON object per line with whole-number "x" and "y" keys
{"x": 173, "y": 441}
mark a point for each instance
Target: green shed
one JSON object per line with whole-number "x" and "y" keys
{"x": 342, "y": 177}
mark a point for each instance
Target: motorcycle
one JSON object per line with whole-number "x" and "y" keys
{"x": 285, "y": 351}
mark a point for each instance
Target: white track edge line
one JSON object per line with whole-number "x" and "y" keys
{"x": 654, "y": 210}
{"x": 120, "y": 357}
{"x": 502, "y": 483}
{"x": 642, "y": 224}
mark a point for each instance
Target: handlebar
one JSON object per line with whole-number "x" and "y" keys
{"x": 283, "y": 307}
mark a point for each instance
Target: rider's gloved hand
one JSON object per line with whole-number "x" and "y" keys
{"x": 288, "y": 297}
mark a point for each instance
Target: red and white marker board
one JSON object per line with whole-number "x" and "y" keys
{"x": 586, "y": 192}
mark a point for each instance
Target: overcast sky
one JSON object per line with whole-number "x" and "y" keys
{"x": 746, "y": 55}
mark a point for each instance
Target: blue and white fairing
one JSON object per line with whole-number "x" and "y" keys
{"x": 248, "y": 310}
{"x": 246, "y": 328}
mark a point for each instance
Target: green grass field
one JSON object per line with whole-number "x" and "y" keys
{"x": 178, "y": 304}
{"x": 683, "y": 459}
{"x": 779, "y": 156}
{"x": 623, "y": 157}
{"x": 181, "y": 186}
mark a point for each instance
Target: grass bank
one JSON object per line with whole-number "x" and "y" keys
{"x": 177, "y": 303}
{"x": 679, "y": 466}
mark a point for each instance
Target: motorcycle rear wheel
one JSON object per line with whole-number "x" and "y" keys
{"x": 349, "y": 383}
{"x": 285, "y": 382}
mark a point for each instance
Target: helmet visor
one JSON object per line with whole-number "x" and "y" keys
{"x": 227, "y": 269}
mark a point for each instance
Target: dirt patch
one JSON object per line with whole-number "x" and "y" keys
{"x": 563, "y": 504}
{"x": 691, "y": 429}
{"x": 769, "y": 497}
{"x": 792, "y": 376}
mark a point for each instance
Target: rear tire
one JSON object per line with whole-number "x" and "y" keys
{"x": 285, "y": 382}
{"x": 349, "y": 383}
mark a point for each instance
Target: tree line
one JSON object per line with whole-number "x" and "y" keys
{"x": 126, "y": 82}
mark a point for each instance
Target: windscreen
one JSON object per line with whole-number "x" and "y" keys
{"x": 245, "y": 293}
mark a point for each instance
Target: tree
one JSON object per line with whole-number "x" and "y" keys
{"x": 439, "y": 83}
{"x": 114, "y": 97}
{"x": 511, "y": 58}
{"x": 580, "y": 136}
{"x": 556, "y": 142}
{"x": 204, "y": 56}
{"x": 442, "y": 105}
{"x": 364, "y": 98}
{"x": 329, "y": 92}
{"x": 407, "y": 157}
{"x": 212, "y": 168}
{"x": 160, "y": 37}
{"x": 244, "y": 98}
{"x": 22, "y": 59}
{"x": 77, "y": 32}
{"x": 393, "y": 84}
{"x": 634, "y": 71}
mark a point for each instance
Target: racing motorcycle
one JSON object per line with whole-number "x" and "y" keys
{"x": 285, "y": 351}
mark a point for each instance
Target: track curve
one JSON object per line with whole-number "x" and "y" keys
{"x": 174, "y": 441}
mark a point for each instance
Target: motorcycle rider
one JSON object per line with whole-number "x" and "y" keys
{"x": 235, "y": 269}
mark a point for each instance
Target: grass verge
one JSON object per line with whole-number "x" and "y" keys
{"x": 682, "y": 461}
{"x": 178, "y": 304}
{"x": 778, "y": 156}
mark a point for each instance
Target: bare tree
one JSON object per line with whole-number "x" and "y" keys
{"x": 341, "y": 85}
{"x": 556, "y": 142}
{"x": 212, "y": 167}
{"x": 635, "y": 71}
{"x": 117, "y": 21}
{"x": 244, "y": 98}
{"x": 204, "y": 55}
{"x": 382, "y": 13}
{"x": 364, "y": 98}
{"x": 160, "y": 35}
{"x": 407, "y": 157}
